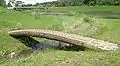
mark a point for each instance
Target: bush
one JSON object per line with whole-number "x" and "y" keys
{"x": 2, "y": 3}
{"x": 95, "y": 27}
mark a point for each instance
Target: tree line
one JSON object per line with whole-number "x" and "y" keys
{"x": 60, "y": 3}
{"x": 82, "y": 2}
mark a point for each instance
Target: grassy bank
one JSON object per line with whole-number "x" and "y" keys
{"x": 25, "y": 56}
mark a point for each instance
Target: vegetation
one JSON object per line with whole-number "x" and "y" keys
{"x": 62, "y": 3}
{"x": 106, "y": 18}
{"x": 82, "y": 3}
{"x": 2, "y": 3}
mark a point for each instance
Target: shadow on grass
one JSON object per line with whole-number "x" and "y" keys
{"x": 36, "y": 45}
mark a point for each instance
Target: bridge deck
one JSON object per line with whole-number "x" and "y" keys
{"x": 67, "y": 38}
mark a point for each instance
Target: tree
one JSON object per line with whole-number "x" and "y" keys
{"x": 60, "y": 3}
{"x": 2, "y": 3}
{"x": 13, "y": 1}
{"x": 9, "y": 5}
{"x": 19, "y": 3}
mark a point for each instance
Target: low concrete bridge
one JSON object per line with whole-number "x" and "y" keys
{"x": 67, "y": 38}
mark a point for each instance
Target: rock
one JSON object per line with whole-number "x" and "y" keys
{"x": 12, "y": 54}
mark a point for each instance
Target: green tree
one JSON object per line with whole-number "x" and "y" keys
{"x": 2, "y": 3}
{"x": 13, "y": 1}
{"x": 60, "y": 3}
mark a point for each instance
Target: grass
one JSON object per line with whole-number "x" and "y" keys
{"x": 112, "y": 32}
{"x": 25, "y": 56}
{"x": 70, "y": 58}
{"x": 108, "y": 15}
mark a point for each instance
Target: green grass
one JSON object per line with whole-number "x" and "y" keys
{"x": 108, "y": 16}
{"x": 14, "y": 19}
{"x": 70, "y": 58}
{"x": 112, "y": 32}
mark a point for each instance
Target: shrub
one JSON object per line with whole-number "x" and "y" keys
{"x": 95, "y": 26}
{"x": 2, "y": 3}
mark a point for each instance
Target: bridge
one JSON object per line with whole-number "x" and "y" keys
{"x": 66, "y": 37}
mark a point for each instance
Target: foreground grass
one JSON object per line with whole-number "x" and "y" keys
{"x": 53, "y": 57}
{"x": 68, "y": 58}
{"x": 13, "y": 19}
